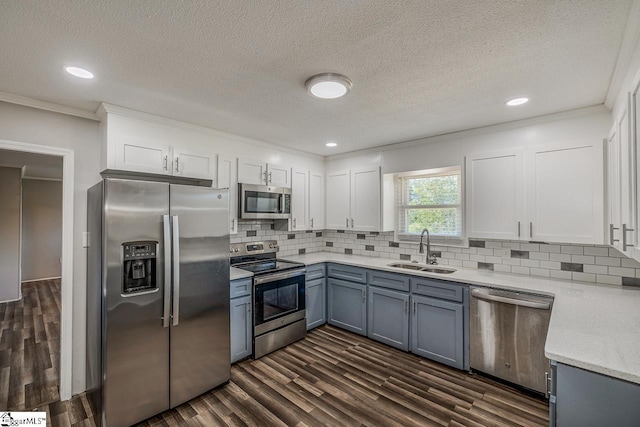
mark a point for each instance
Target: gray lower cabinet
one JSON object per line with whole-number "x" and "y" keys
{"x": 388, "y": 317}
{"x": 346, "y": 307}
{"x": 437, "y": 330}
{"x": 316, "y": 303}
{"x": 241, "y": 328}
{"x": 583, "y": 398}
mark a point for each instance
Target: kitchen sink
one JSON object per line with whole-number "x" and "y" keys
{"x": 419, "y": 267}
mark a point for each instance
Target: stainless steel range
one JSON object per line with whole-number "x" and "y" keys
{"x": 279, "y": 315}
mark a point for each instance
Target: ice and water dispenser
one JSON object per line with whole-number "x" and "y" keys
{"x": 139, "y": 267}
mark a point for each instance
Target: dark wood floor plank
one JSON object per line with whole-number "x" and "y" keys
{"x": 331, "y": 378}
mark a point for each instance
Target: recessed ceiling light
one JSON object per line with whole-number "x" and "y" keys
{"x": 517, "y": 101}
{"x": 79, "y": 72}
{"x": 331, "y": 144}
{"x": 328, "y": 85}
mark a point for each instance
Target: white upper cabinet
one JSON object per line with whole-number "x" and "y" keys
{"x": 228, "y": 178}
{"x": 627, "y": 182}
{"x": 141, "y": 155}
{"x": 338, "y": 200}
{"x": 194, "y": 164}
{"x": 495, "y": 194}
{"x": 261, "y": 173}
{"x": 316, "y": 201}
{"x": 353, "y": 199}
{"x": 613, "y": 188}
{"x": 299, "y": 200}
{"x": 252, "y": 172}
{"x": 365, "y": 199}
{"x": 565, "y": 193}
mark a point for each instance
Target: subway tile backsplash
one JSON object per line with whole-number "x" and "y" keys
{"x": 597, "y": 264}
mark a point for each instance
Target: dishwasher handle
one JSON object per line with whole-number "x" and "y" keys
{"x": 485, "y": 294}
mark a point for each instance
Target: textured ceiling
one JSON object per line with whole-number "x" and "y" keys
{"x": 419, "y": 68}
{"x": 36, "y": 165}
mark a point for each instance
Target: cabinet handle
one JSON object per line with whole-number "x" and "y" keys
{"x": 406, "y": 306}
{"x": 177, "y": 164}
{"x": 294, "y": 223}
{"x": 414, "y": 308}
{"x": 347, "y": 222}
{"x": 266, "y": 179}
{"x": 165, "y": 162}
{"x": 624, "y": 236}
{"x": 233, "y": 223}
{"x": 518, "y": 228}
{"x": 351, "y": 222}
{"x": 531, "y": 230}
{"x": 269, "y": 182}
{"x": 612, "y": 241}
{"x": 364, "y": 295}
{"x": 311, "y": 222}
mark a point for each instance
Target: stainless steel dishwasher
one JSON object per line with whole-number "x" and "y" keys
{"x": 507, "y": 335}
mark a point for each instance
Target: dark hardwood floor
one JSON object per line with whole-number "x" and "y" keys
{"x": 335, "y": 378}
{"x": 30, "y": 347}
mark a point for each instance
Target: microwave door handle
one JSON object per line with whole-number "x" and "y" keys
{"x": 281, "y": 198}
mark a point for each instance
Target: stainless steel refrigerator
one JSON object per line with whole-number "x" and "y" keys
{"x": 157, "y": 296}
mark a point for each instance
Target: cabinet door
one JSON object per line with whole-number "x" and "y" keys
{"x": 299, "y": 200}
{"x": 252, "y": 172}
{"x": 613, "y": 189}
{"x": 228, "y": 178}
{"x": 316, "y": 303}
{"x": 495, "y": 179}
{"x": 194, "y": 164}
{"x": 437, "y": 330}
{"x": 565, "y": 198}
{"x": 365, "y": 199}
{"x": 388, "y": 317}
{"x": 141, "y": 155}
{"x": 316, "y": 201}
{"x": 337, "y": 208}
{"x": 241, "y": 331}
{"x": 278, "y": 176}
{"x": 627, "y": 182}
{"x": 347, "y": 306}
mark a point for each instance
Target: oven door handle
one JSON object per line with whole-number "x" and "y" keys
{"x": 279, "y": 276}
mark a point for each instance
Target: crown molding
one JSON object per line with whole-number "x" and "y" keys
{"x": 48, "y": 106}
{"x": 627, "y": 47}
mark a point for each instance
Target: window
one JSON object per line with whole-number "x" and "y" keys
{"x": 430, "y": 199}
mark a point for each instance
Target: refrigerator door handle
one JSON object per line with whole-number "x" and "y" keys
{"x": 176, "y": 270}
{"x": 166, "y": 314}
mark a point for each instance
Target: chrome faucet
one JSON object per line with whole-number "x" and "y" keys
{"x": 430, "y": 259}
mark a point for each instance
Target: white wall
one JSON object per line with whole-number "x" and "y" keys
{"x": 449, "y": 150}
{"x": 9, "y": 234}
{"x": 41, "y": 229}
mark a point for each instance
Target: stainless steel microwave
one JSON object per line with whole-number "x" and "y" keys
{"x": 264, "y": 202}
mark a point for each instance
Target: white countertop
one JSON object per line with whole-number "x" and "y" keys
{"x": 236, "y": 273}
{"x": 594, "y": 327}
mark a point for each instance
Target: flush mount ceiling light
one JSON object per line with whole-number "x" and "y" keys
{"x": 331, "y": 144}
{"x": 79, "y": 72}
{"x": 328, "y": 85}
{"x": 517, "y": 101}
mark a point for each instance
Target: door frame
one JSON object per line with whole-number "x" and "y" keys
{"x": 66, "y": 282}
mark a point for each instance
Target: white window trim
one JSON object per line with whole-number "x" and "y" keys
{"x": 441, "y": 240}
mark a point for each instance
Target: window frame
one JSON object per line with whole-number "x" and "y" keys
{"x": 401, "y": 208}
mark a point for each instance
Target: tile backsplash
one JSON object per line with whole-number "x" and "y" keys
{"x": 587, "y": 263}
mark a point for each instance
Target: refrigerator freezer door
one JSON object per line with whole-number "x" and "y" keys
{"x": 136, "y": 345}
{"x": 200, "y": 348}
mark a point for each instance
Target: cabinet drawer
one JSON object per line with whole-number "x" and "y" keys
{"x": 345, "y": 272}
{"x": 315, "y": 271}
{"x": 388, "y": 280}
{"x": 437, "y": 289}
{"x": 240, "y": 287}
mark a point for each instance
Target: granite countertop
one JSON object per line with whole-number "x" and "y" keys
{"x": 594, "y": 327}
{"x": 236, "y": 273}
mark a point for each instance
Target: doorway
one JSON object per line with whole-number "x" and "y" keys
{"x": 35, "y": 327}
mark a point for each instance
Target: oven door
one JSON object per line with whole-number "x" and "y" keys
{"x": 278, "y": 300}
{"x": 264, "y": 202}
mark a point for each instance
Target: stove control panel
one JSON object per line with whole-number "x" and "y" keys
{"x": 253, "y": 248}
